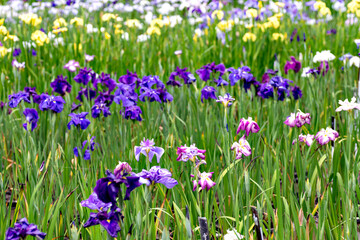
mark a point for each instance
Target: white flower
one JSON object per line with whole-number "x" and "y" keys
{"x": 347, "y": 106}
{"x": 339, "y": 6}
{"x": 165, "y": 9}
{"x": 357, "y": 42}
{"x": 142, "y": 38}
{"x": 305, "y": 72}
{"x": 232, "y": 235}
{"x": 323, "y": 56}
{"x": 355, "y": 61}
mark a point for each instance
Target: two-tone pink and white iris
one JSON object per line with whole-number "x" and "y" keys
{"x": 308, "y": 139}
{"x": 348, "y": 106}
{"x": 248, "y": 125}
{"x": 147, "y": 147}
{"x": 191, "y": 153}
{"x": 204, "y": 181}
{"x": 299, "y": 119}
{"x": 241, "y": 148}
{"x": 326, "y": 135}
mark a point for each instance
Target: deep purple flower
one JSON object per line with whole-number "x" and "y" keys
{"x": 32, "y": 92}
{"x": 130, "y": 78}
{"x": 109, "y": 220}
{"x": 239, "y": 74}
{"x": 89, "y": 94}
{"x": 265, "y": 90}
{"x": 323, "y": 69}
{"x": 98, "y": 108}
{"x": 105, "y": 97}
{"x": 204, "y": 181}
{"x": 85, "y": 75}
{"x": 147, "y": 147}
{"x": 54, "y": 103}
{"x": 32, "y": 118}
{"x": 22, "y": 229}
{"x": 149, "y": 81}
{"x": 105, "y": 80}
{"x": 125, "y": 97}
{"x": 75, "y": 107}
{"x": 33, "y": 52}
{"x": 79, "y": 120}
{"x": 72, "y": 65}
{"x": 164, "y": 95}
{"x": 132, "y": 112}
{"x": 207, "y": 71}
{"x": 60, "y": 85}
{"x": 107, "y": 188}
{"x": 16, "y": 98}
{"x": 293, "y": 35}
{"x": 17, "y": 52}
{"x": 181, "y": 73}
{"x": 220, "y": 82}
{"x": 208, "y": 92}
{"x": 296, "y": 92}
{"x": 158, "y": 175}
{"x": 150, "y": 93}
{"x": 90, "y": 148}
{"x": 266, "y": 77}
{"x": 331, "y": 31}
{"x": 292, "y": 64}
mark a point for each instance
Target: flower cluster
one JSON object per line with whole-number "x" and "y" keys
{"x": 242, "y": 147}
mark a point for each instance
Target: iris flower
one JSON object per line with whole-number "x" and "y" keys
{"x": 60, "y": 85}
{"x": 22, "y": 229}
{"x": 32, "y": 118}
{"x": 158, "y": 175}
{"x": 54, "y": 103}
{"x": 226, "y": 100}
{"x": 147, "y": 147}
{"x": 326, "y": 135}
{"x": 204, "y": 181}
{"x": 348, "y": 106}
{"x": 248, "y": 125}
{"x": 241, "y": 148}
{"x": 79, "y": 120}
{"x": 208, "y": 92}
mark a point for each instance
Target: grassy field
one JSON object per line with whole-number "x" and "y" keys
{"x": 297, "y": 191}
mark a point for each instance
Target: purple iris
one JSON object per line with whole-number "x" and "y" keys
{"x": 158, "y": 175}
{"x": 17, "y": 52}
{"x": 109, "y": 220}
{"x": 79, "y": 120}
{"x": 266, "y": 77}
{"x": 90, "y": 148}
{"x": 296, "y": 92}
{"x": 127, "y": 98}
{"x": 149, "y": 81}
{"x": 292, "y": 64}
{"x": 207, "y": 71}
{"x": 331, "y": 31}
{"x": 150, "y": 93}
{"x": 132, "y": 112}
{"x": 22, "y": 229}
{"x": 75, "y": 107}
{"x": 104, "y": 80}
{"x": 89, "y": 94}
{"x": 16, "y": 98}
{"x": 85, "y": 75}
{"x": 186, "y": 76}
{"x": 130, "y": 78}
{"x": 239, "y": 74}
{"x": 98, "y": 108}
{"x": 32, "y": 92}
{"x": 208, "y": 92}
{"x": 32, "y": 118}
{"x": 54, "y": 103}
{"x": 265, "y": 90}
{"x": 164, "y": 95}
{"x": 147, "y": 147}
{"x": 60, "y": 85}
{"x": 105, "y": 97}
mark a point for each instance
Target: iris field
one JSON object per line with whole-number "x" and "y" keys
{"x": 140, "y": 119}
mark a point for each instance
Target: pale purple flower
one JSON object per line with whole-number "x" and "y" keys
{"x": 204, "y": 181}
{"x": 348, "y": 106}
{"x": 191, "y": 153}
{"x": 147, "y": 148}
{"x": 18, "y": 65}
{"x": 178, "y": 52}
{"x": 241, "y": 148}
{"x": 226, "y": 100}
{"x": 248, "y": 125}
{"x": 72, "y": 65}
{"x": 89, "y": 58}
{"x": 326, "y": 135}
